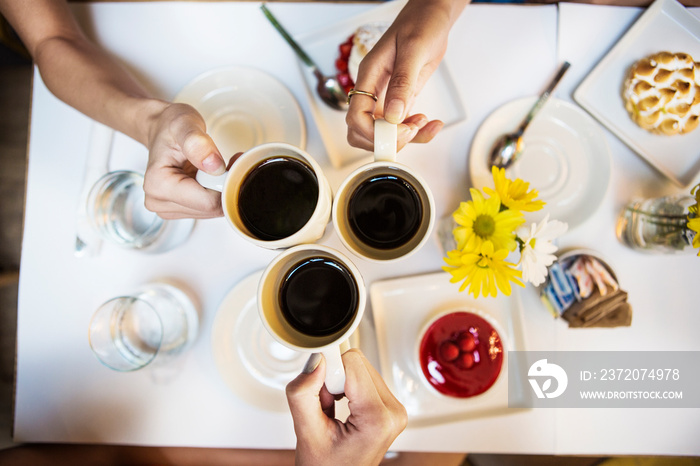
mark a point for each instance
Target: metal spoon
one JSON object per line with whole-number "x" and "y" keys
{"x": 508, "y": 147}
{"x": 328, "y": 88}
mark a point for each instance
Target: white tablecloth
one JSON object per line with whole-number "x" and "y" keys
{"x": 497, "y": 53}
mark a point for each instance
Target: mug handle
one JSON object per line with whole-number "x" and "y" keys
{"x": 335, "y": 371}
{"x": 385, "y": 140}
{"x": 212, "y": 182}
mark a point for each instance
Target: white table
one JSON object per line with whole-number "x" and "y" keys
{"x": 65, "y": 395}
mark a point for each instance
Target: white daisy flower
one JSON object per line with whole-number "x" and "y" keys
{"x": 538, "y": 250}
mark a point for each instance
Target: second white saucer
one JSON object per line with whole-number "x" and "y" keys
{"x": 566, "y": 158}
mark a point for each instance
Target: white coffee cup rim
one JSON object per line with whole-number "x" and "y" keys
{"x": 354, "y": 271}
{"x": 293, "y": 152}
{"x": 377, "y": 165}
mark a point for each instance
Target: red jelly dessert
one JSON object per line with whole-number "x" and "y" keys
{"x": 461, "y": 354}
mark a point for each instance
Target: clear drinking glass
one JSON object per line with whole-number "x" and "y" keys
{"x": 157, "y": 321}
{"x": 116, "y": 210}
{"x": 657, "y": 225}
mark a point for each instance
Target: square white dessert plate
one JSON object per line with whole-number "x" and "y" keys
{"x": 665, "y": 26}
{"x": 401, "y": 308}
{"x": 439, "y": 98}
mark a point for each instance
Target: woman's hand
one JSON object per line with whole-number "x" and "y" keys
{"x": 397, "y": 68}
{"x": 179, "y": 146}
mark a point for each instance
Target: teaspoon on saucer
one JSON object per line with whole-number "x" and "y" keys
{"x": 509, "y": 146}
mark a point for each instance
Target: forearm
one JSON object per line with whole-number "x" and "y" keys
{"x": 77, "y": 71}
{"x": 452, "y": 8}
{"x": 86, "y": 78}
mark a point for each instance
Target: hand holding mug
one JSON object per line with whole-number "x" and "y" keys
{"x": 178, "y": 145}
{"x": 376, "y": 416}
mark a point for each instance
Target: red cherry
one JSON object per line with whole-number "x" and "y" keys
{"x": 448, "y": 351}
{"x": 466, "y": 342}
{"x": 341, "y": 65}
{"x": 466, "y": 360}
{"x": 344, "y": 79}
{"x": 345, "y": 50}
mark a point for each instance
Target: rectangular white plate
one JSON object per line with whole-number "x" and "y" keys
{"x": 401, "y": 307}
{"x": 665, "y": 26}
{"x": 439, "y": 98}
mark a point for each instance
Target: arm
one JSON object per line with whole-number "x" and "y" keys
{"x": 397, "y": 68}
{"x": 88, "y": 79}
{"x": 376, "y": 416}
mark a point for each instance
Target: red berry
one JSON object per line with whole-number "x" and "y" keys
{"x": 341, "y": 65}
{"x": 449, "y": 351}
{"x": 345, "y": 50}
{"x": 466, "y": 360}
{"x": 466, "y": 342}
{"x": 344, "y": 79}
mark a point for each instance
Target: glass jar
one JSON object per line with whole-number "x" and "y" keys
{"x": 657, "y": 225}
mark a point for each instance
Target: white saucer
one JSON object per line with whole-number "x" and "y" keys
{"x": 245, "y": 107}
{"x": 566, "y": 158}
{"x": 402, "y": 307}
{"x": 253, "y": 365}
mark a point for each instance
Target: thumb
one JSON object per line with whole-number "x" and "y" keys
{"x": 199, "y": 148}
{"x": 303, "y": 397}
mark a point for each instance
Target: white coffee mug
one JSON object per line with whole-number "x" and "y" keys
{"x": 384, "y": 210}
{"x": 312, "y": 272}
{"x": 230, "y": 185}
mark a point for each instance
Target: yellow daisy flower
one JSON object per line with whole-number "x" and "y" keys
{"x": 482, "y": 220}
{"x": 514, "y": 194}
{"x": 485, "y": 271}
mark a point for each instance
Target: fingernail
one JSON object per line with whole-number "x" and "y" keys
{"x": 311, "y": 363}
{"x": 393, "y": 113}
{"x": 214, "y": 165}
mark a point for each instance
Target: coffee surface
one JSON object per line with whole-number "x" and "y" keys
{"x": 318, "y": 297}
{"x": 385, "y": 212}
{"x": 277, "y": 198}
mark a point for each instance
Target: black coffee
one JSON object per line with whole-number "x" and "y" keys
{"x": 385, "y": 212}
{"x": 277, "y": 198}
{"x": 318, "y": 297}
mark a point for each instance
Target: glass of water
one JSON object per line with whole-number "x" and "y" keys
{"x": 158, "y": 321}
{"x": 116, "y": 210}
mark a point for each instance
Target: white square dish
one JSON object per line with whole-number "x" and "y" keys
{"x": 401, "y": 307}
{"x": 439, "y": 98}
{"x": 665, "y": 26}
